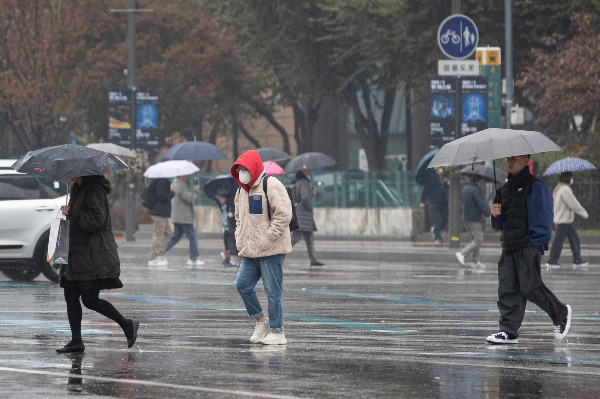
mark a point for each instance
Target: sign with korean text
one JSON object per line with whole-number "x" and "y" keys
{"x": 458, "y": 67}
{"x": 473, "y": 97}
{"x": 442, "y": 111}
{"x": 119, "y": 119}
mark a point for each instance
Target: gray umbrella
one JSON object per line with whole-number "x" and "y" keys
{"x": 113, "y": 149}
{"x": 491, "y": 144}
{"x": 68, "y": 160}
{"x": 309, "y": 160}
{"x": 486, "y": 173}
{"x": 272, "y": 154}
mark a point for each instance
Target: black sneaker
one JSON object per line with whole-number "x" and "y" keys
{"x": 316, "y": 264}
{"x": 501, "y": 338}
{"x": 562, "y": 330}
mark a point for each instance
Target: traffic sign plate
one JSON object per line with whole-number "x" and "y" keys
{"x": 458, "y": 36}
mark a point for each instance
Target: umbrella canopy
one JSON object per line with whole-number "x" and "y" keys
{"x": 491, "y": 144}
{"x": 113, "y": 149}
{"x": 195, "y": 151}
{"x": 271, "y": 168}
{"x": 422, "y": 166}
{"x": 220, "y": 184}
{"x": 569, "y": 165}
{"x": 486, "y": 173}
{"x": 68, "y": 160}
{"x": 272, "y": 154}
{"x": 309, "y": 160}
{"x": 169, "y": 169}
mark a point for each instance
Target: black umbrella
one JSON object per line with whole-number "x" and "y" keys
{"x": 195, "y": 151}
{"x": 486, "y": 173}
{"x": 222, "y": 184}
{"x": 272, "y": 154}
{"x": 68, "y": 160}
{"x": 421, "y": 170}
{"x": 309, "y": 160}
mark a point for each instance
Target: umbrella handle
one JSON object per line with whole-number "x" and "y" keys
{"x": 494, "y": 164}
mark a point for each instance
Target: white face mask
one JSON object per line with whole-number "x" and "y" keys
{"x": 571, "y": 182}
{"x": 244, "y": 176}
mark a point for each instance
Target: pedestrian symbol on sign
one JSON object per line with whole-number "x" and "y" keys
{"x": 458, "y": 36}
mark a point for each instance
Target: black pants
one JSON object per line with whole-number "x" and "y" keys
{"x": 565, "y": 231}
{"x": 520, "y": 280}
{"x": 310, "y": 242}
{"x": 91, "y": 300}
{"x": 440, "y": 218}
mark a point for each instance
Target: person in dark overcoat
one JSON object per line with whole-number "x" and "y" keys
{"x": 93, "y": 263}
{"x": 303, "y": 194}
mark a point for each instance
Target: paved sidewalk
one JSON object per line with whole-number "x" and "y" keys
{"x": 420, "y": 249}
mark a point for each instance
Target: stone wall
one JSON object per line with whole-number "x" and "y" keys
{"x": 373, "y": 222}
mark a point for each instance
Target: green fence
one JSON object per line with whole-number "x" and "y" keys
{"x": 349, "y": 189}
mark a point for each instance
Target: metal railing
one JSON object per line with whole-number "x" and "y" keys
{"x": 350, "y": 189}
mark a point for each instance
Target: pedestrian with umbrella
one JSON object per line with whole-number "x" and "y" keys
{"x": 222, "y": 189}
{"x": 93, "y": 259}
{"x": 565, "y": 208}
{"x": 522, "y": 211}
{"x": 157, "y": 198}
{"x": 303, "y": 194}
{"x": 182, "y": 213}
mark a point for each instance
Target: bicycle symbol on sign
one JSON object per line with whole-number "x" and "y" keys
{"x": 450, "y": 34}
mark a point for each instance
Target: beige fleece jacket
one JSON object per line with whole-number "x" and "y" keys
{"x": 566, "y": 205}
{"x": 255, "y": 235}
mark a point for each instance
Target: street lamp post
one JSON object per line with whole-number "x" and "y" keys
{"x": 131, "y": 191}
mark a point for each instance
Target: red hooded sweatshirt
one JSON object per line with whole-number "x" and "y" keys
{"x": 251, "y": 161}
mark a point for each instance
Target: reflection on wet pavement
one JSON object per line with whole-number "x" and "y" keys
{"x": 357, "y": 329}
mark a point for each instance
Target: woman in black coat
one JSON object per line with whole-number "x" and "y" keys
{"x": 93, "y": 259}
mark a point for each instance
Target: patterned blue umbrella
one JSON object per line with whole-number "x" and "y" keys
{"x": 569, "y": 165}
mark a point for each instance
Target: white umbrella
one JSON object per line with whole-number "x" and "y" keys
{"x": 114, "y": 149}
{"x": 169, "y": 169}
{"x": 491, "y": 144}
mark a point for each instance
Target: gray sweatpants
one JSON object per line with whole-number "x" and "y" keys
{"x": 520, "y": 280}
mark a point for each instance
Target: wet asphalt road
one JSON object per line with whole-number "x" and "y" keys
{"x": 356, "y": 329}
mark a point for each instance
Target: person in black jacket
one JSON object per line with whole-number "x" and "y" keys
{"x": 474, "y": 207}
{"x": 434, "y": 191}
{"x": 93, "y": 263}
{"x": 160, "y": 214}
{"x": 225, "y": 200}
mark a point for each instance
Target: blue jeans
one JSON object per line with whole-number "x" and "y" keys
{"x": 190, "y": 232}
{"x": 270, "y": 268}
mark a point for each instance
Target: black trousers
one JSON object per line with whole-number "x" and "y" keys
{"x": 519, "y": 281}
{"x": 91, "y": 300}
{"x": 563, "y": 231}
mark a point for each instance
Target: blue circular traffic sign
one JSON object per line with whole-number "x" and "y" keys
{"x": 458, "y": 36}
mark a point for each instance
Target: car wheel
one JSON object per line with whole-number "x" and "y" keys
{"x": 40, "y": 258}
{"x": 22, "y": 273}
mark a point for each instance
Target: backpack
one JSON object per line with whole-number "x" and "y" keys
{"x": 294, "y": 221}
{"x": 149, "y": 196}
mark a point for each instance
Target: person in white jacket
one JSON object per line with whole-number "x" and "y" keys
{"x": 565, "y": 208}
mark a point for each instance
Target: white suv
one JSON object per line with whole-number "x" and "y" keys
{"x": 27, "y": 206}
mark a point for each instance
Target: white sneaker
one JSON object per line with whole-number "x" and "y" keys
{"x": 261, "y": 329}
{"x": 501, "y": 338}
{"x": 194, "y": 263}
{"x": 460, "y": 257}
{"x": 561, "y": 330}
{"x": 161, "y": 261}
{"x": 274, "y": 339}
{"x": 478, "y": 265}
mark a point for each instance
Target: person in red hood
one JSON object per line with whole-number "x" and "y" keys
{"x": 262, "y": 241}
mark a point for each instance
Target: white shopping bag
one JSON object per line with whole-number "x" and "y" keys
{"x": 58, "y": 243}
